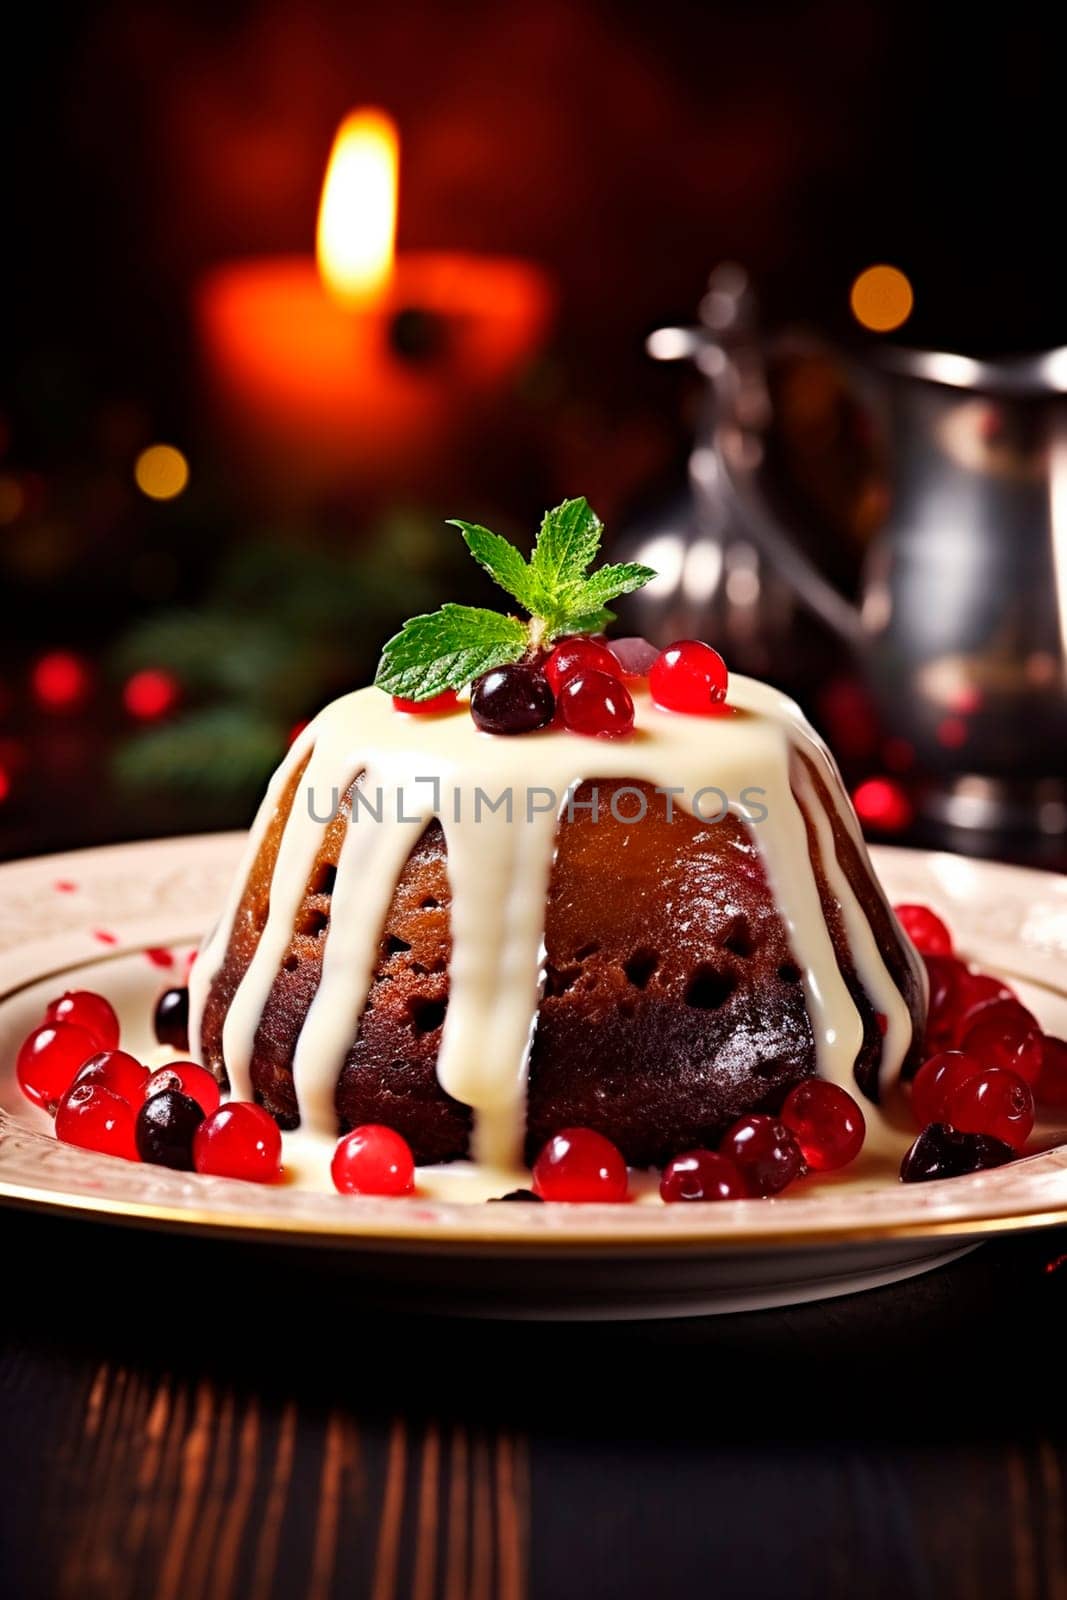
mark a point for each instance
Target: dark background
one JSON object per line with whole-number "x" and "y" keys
{"x": 626, "y": 148}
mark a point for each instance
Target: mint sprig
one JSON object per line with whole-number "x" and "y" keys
{"x": 446, "y": 649}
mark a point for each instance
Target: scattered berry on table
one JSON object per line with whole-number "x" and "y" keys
{"x": 598, "y": 705}
{"x": 89, "y": 1011}
{"x": 239, "y": 1140}
{"x": 514, "y": 699}
{"x": 94, "y": 1118}
{"x": 165, "y": 1128}
{"x": 943, "y": 1152}
{"x": 1005, "y": 1034}
{"x": 189, "y": 1079}
{"x": 447, "y": 700}
{"x": 936, "y": 1079}
{"x": 702, "y": 1175}
{"x": 49, "y": 1058}
{"x": 995, "y": 1102}
{"x": 826, "y": 1123}
{"x": 766, "y": 1152}
{"x": 373, "y": 1159}
{"x": 579, "y": 1165}
{"x": 171, "y": 1020}
{"x": 925, "y": 930}
{"x": 635, "y": 656}
{"x": 118, "y": 1071}
{"x": 689, "y": 676}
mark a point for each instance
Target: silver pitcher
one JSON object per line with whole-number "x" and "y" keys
{"x": 961, "y": 620}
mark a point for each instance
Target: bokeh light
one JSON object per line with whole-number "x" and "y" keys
{"x": 883, "y": 804}
{"x": 161, "y": 472}
{"x": 5, "y": 786}
{"x": 60, "y": 681}
{"x": 882, "y": 298}
{"x": 12, "y": 499}
{"x": 150, "y": 694}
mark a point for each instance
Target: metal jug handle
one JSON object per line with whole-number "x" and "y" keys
{"x": 725, "y": 349}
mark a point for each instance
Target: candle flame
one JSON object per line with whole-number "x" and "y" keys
{"x": 357, "y": 215}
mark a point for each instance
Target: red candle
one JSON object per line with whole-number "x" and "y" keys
{"x": 351, "y": 370}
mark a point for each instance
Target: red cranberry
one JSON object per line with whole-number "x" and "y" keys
{"x": 89, "y": 1011}
{"x": 1006, "y": 1035}
{"x": 935, "y": 1081}
{"x": 373, "y": 1160}
{"x": 635, "y": 656}
{"x": 946, "y": 976}
{"x": 1052, "y": 1084}
{"x": 925, "y": 930}
{"x": 572, "y": 656}
{"x": 171, "y": 1020}
{"x": 580, "y": 1165}
{"x": 447, "y": 700}
{"x": 994, "y": 1102}
{"x": 766, "y": 1152}
{"x": 596, "y": 704}
{"x": 95, "y": 1119}
{"x": 186, "y": 1078}
{"x": 49, "y": 1058}
{"x": 826, "y": 1123}
{"x": 689, "y": 676}
{"x": 117, "y": 1071}
{"x": 702, "y": 1175}
{"x": 515, "y": 699}
{"x": 239, "y": 1140}
{"x": 978, "y": 990}
{"x": 165, "y": 1128}
{"x": 942, "y": 1152}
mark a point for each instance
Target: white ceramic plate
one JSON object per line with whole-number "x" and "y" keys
{"x": 108, "y": 918}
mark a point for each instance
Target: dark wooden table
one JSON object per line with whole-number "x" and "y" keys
{"x": 184, "y": 1418}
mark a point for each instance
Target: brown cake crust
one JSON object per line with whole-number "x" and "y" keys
{"x": 672, "y": 1003}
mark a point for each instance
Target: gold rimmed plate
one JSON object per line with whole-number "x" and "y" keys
{"x": 122, "y": 920}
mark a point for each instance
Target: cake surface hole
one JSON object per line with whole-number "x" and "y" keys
{"x": 429, "y": 904}
{"x": 586, "y": 951}
{"x": 426, "y": 1015}
{"x": 739, "y": 941}
{"x": 640, "y": 966}
{"x": 291, "y": 963}
{"x": 708, "y": 989}
{"x": 395, "y": 946}
{"x": 312, "y": 923}
{"x": 789, "y": 972}
{"x": 323, "y": 878}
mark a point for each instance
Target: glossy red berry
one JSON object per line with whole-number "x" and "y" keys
{"x": 572, "y": 656}
{"x": 1006, "y": 1035}
{"x": 766, "y": 1152}
{"x": 514, "y": 699}
{"x": 635, "y": 656}
{"x": 185, "y": 1077}
{"x": 598, "y": 705}
{"x": 1052, "y": 1084}
{"x": 95, "y": 1119}
{"x": 117, "y": 1071}
{"x": 689, "y": 676}
{"x": 373, "y": 1159}
{"x": 826, "y": 1123}
{"x": 993, "y": 1102}
{"x": 947, "y": 976}
{"x": 978, "y": 990}
{"x": 49, "y": 1058}
{"x": 579, "y": 1165}
{"x": 239, "y": 1140}
{"x": 925, "y": 930}
{"x": 171, "y": 1018}
{"x": 89, "y": 1011}
{"x": 935, "y": 1081}
{"x": 702, "y": 1175}
{"x": 447, "y": 700}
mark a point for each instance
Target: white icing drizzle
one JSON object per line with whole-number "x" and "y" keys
{"x": 499, "y": 867}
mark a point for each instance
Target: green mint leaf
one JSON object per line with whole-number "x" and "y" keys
{"x": 567, "y": 543}
{"x": 610, "y": 582}
{"x": 504, "y": 564}
{"x": 589, "y": 622}
{"x": 446, "y": 649}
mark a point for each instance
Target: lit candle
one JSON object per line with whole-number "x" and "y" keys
{"x": 358, "y": 368}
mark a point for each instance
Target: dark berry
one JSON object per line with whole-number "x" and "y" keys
{"x": 49, "y": 1058}
{"x": 239, "y": 1140}
{"x": 942, "y": 1152}
{"x": 516, "y": 1194}
{"x": 165, "y": 1128}
{"x": 826, "y": 1123}
{"x": 171, "y": 1020}
{"x": 766, "y": 1152}
{"x": 373, "y": 1159}
{"x": 89, "y": 1011}
{"x": 925, "y": 930}
{"x": 515, "y": 699}
{"x": 702, "y": 1175}
{"x": 689, "y": 676}
{"x": 579, "y": 1165}
{"x": 572, "y": 656}
{"x": 598, "y": 705}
